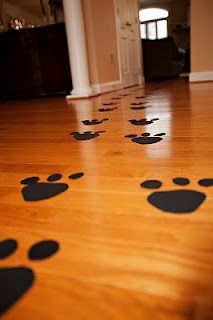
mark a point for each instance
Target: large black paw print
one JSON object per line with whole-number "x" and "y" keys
{"x": 107, "y": 109}
{"x": 176, "y": 201}
{"x": 142, "y": 122}
{"x": 35, "y": 191}
{"x": 93, "y": 122}
{"x": 16, "y": 281}
{"x": 145, "y": 138}
{"x": 87, "y": 135}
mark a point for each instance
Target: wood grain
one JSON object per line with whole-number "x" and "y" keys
{"x": 120, "y": 258}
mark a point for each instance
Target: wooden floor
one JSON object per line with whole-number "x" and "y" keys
{"x": 120, "y": 257}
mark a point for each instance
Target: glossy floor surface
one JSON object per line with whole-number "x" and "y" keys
{"x": 122, "y": 254}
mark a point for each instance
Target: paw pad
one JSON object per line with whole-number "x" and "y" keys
{"x": 43, "y": 249}
{"x": 176, "y": 201}
{"x": 7, "y": 247}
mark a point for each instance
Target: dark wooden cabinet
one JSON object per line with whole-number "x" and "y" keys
{"x": 34, "y": 62}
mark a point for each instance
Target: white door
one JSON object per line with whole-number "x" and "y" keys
{"x": 129, "y": 41}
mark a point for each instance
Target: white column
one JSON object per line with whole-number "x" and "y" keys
{"x": 76, "y": 39}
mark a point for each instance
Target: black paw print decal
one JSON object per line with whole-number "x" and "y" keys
{"x": 87, "y": 135}
{"x": 109, "y": 103}
{"x": 142, "y": 122}
{"x": 140, "y": 97}
{"x": 16, "y": 281}
{"x": 107, "y": 109}
{"x": 137, "y": 103}
{"x": 35, "y": 191}
{"x": 145, "y": 138}
{"x": 176, "y": 201}
{"x": 93, "y": 122}
{"x": 139, "y": 108}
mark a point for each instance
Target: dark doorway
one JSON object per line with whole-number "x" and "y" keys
{"x": 165, "y": 34}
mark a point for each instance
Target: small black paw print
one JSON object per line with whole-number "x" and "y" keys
{"x": 142, "y": 122}
{"x": 107, "y": 109}
{"x": 93, "y": 122}
{"x": 35, "y": 191}
{"x": 140, "y": 97}
{"x": 87, "y": 135}
{"x": 137, "y": 103}
{"x": 139, "y": 108}
{"x": 109, "y": 103}
{"x": 16, "y": 281}
{"x": 176, "y": 201}
{"x": 145, "y": 138}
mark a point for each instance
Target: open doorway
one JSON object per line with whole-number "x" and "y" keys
{"x": 165, "y": 35}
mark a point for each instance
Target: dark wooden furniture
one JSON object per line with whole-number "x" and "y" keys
{"x": 161, "y": 59}
{"x": 34, "y": 62}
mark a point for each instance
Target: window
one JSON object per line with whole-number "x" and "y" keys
{"x": 154, "y": 24}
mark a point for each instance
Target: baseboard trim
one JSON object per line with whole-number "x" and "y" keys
{"x": 82, "y": 96}
{"x": 141, "y": 80}
{"x": 99, "y": 88}
{"x": 201, "y": 76}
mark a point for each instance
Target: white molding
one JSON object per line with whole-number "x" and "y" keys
{"x": 80, "y": 96}
{"x": 99, "y": 88}
{"x": 81, "y": 93}
{"x": 141, "y": 79}
{"x": 117, "y": 27}
{"x": 201, "y": 76}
